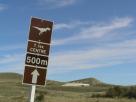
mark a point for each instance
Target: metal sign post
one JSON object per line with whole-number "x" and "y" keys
{"x": 37, "y": 54}
{"x": 33, "y": 88}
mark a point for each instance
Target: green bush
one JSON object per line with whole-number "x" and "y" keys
{"x": 118, "y": 92}
{"x": 129, "y": 92}
{"x": 40, "y": 98}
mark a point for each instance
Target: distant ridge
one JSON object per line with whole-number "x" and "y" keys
{"x": 9, "y": 75}
{"x": 91, "y": 81}
{"x": 18, "y": 77}
{"x": 53, "y": 83}
{"x": 15, "y": 77}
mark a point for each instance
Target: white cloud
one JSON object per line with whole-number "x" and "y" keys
{"x": 71, "y": 25}
{"x": 12, "y": 47}
{"x": 16, "y": 68}
{"x": 101, "y": 30}
{"x": 97, "y": 31}
{"x": 112, "y": 54}
{"x": 56, "y": 3}
{"x": 12, "y": 63}
{"x": 11, "y": 58}
{"x": 3, "y": 7}
{"x": 109, "y": 55}
{"x": 87, "y": 58}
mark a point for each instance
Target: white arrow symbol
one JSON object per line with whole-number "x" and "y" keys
{"x": 42, "y": 29}
{"x": 35, "y": 75}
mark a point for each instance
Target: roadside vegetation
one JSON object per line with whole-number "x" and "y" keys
{"x": 12, "y": 90}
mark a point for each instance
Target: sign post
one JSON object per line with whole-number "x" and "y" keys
{"x": 33, "y": 88}
{"x": 37, "y": 54}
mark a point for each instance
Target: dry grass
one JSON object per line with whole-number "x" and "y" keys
{"x": 12, "y": 90}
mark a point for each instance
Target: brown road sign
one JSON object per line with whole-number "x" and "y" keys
{"x": 33, "y": 75}
{"x": 37, "y": 51}
{"x": 38, "y": 48}
{"x": 40, "y": 30}
{"x": 36, "y": 60}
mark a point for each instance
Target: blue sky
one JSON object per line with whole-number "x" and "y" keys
{"x": 91, "y": 38}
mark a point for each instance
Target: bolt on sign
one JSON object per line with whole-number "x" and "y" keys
{"x": 37, "y": 52}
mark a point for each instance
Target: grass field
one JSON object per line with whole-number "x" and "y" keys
{"x": 12, "y": 90}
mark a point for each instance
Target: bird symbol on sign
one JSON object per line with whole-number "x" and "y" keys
{"x": 42, "y": 29}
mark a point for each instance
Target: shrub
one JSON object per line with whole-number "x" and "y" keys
{"x": 129, "y": 92}
{"x": 40, "y": 98}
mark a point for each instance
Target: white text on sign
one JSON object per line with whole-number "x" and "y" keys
{"x": 41, "y": 61}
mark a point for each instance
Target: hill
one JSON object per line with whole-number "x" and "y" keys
{"x": 91, "y": 81}
{"x": 15, "y": 79}
{"x": 10, "y": 76}
{"x": 12, "y": 90}
{"x": 54, "y": 83}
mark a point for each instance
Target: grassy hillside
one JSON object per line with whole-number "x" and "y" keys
{"x": 95, "y": 86}
{"x": 92, "y": 82}
{"x": 10, "y": 77}
{"x": 54, "y": 83}
{"x": 12, "y": 90}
